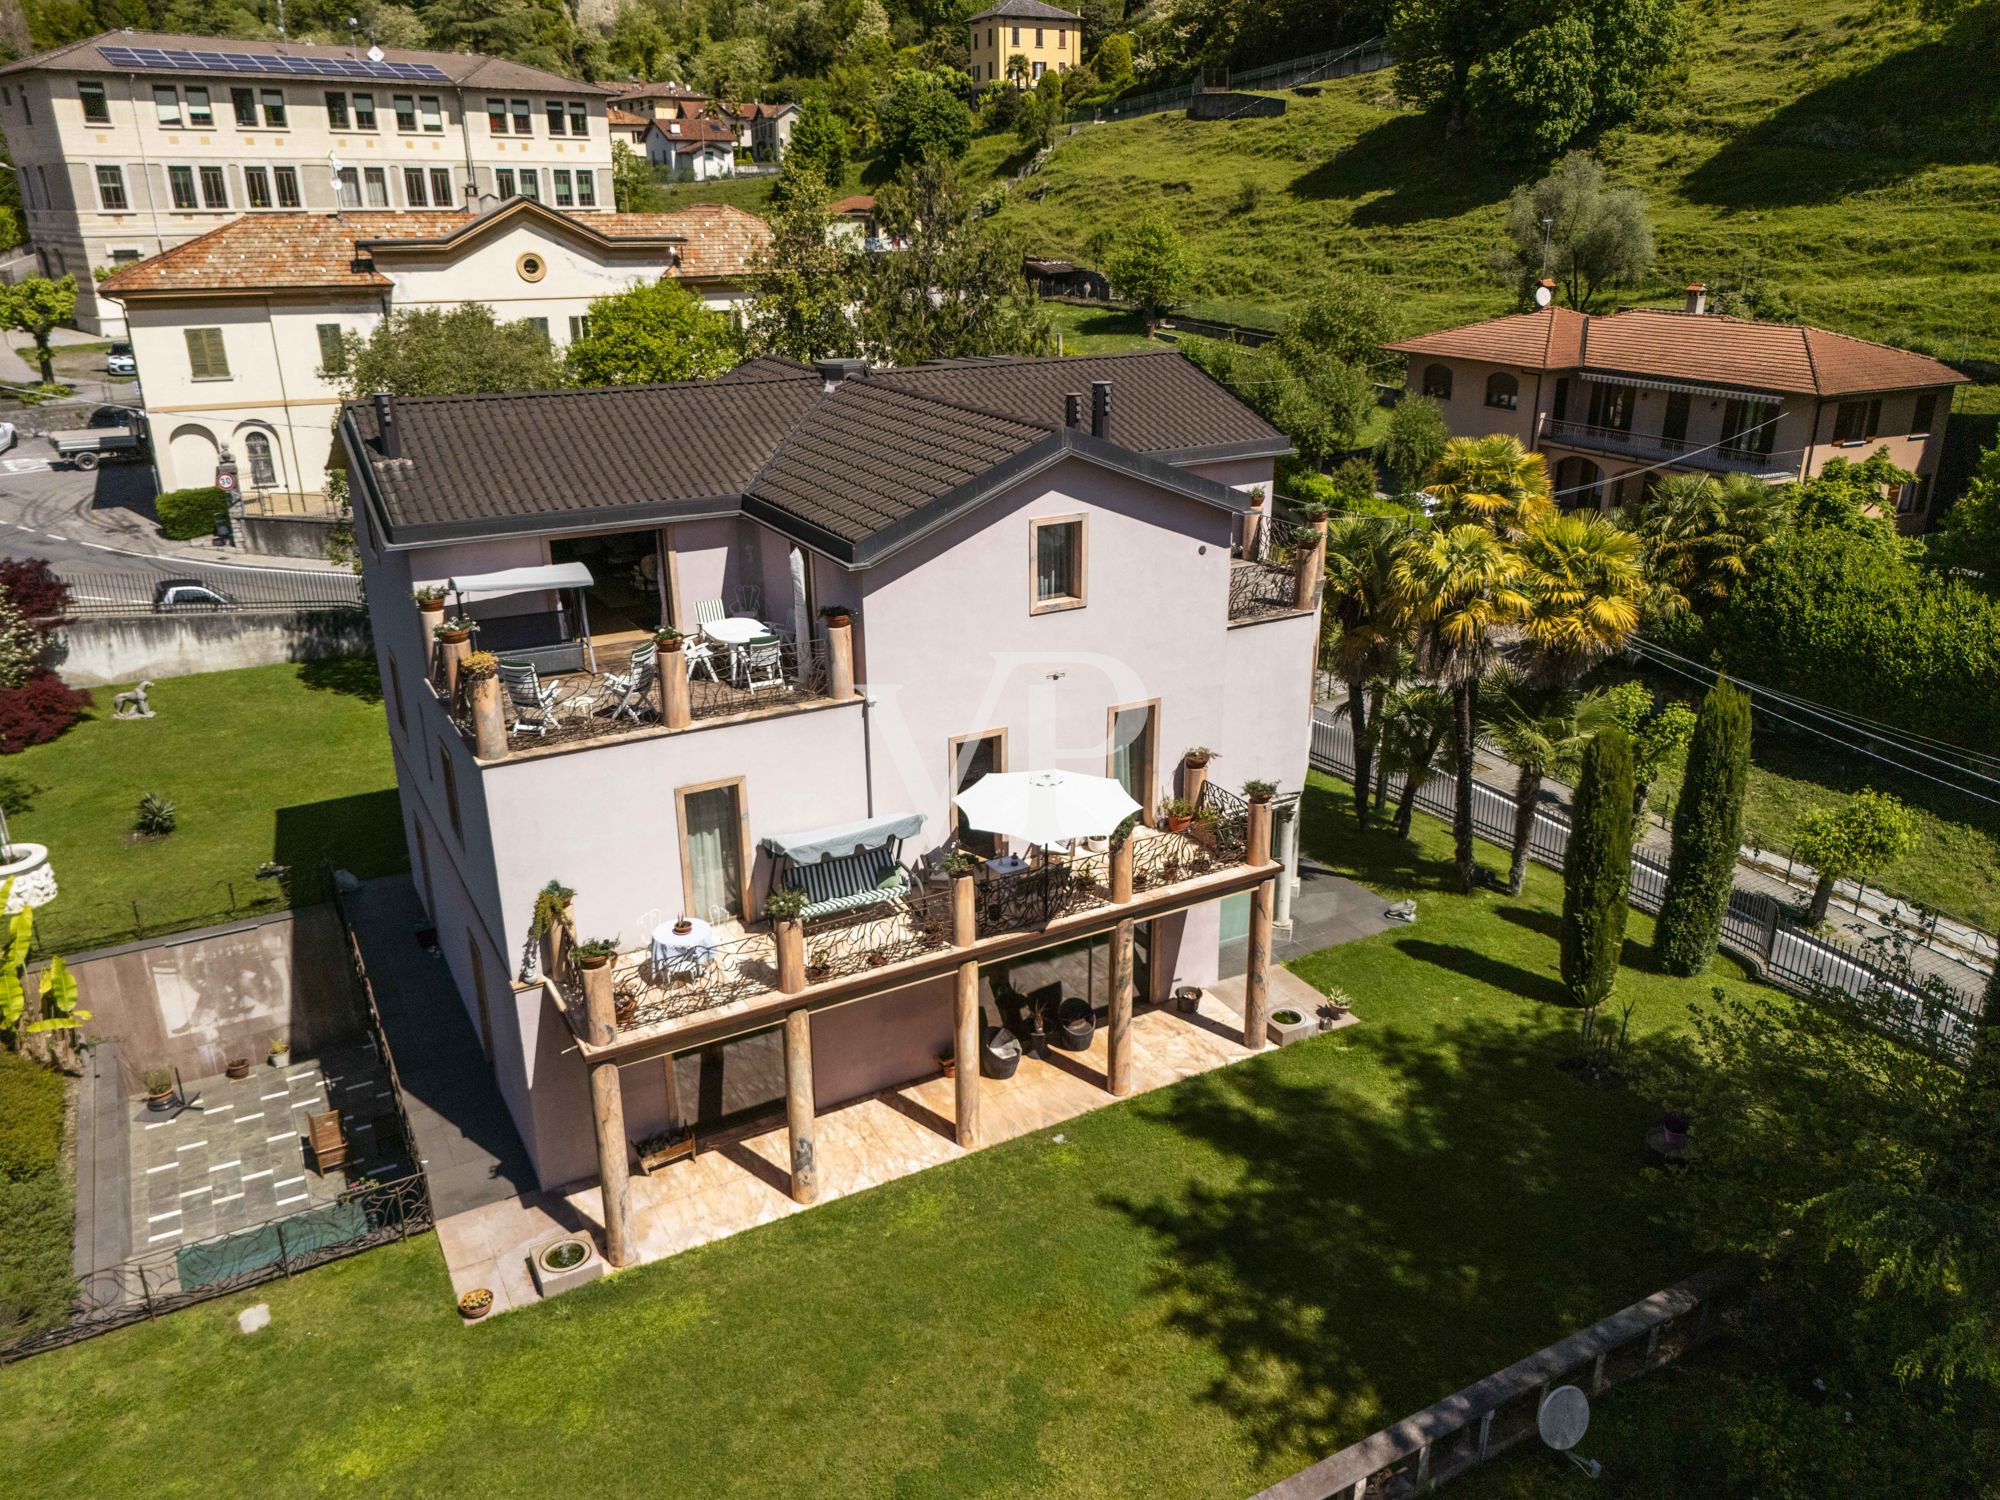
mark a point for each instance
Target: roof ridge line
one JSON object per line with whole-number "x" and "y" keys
{"x": 1805, "y": 331}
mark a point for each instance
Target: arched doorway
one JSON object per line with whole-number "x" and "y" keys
{"x": 191, "y": 453}
{"x": 260, "y": 459}
{"x": 1579, "y": 484}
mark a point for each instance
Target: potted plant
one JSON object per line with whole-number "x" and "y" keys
{"x": 429, "y": 596}
{"x": 453, "y": 630}
{"x": 657, "y": 1150}
{"x": 947, "y": 1064}
{"x": 958, "y": 863}
{"x": 1180, "y": 813}
{"x": 667, "y": 638}
{"x": 596, "y": 953}
{"x": 1187, "y": 999}
{"x": 1260, "y": 791}
{"x": 1288, "y": 1026}
{"x": 478, "y": 665}
{"x": 1198, "y": 756}
{"x": 159, "y": 1088}
{"x": 475, "y": 1304}
{"x": 785, "y": 905}
{"x": 281, "y": 1053}
{"x": 836, "y": 614}
{"x": 1336, "y": 1009}
{"x": 817, "y": 968}
{"x": 236, "y": 1067}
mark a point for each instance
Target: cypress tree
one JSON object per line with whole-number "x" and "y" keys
{"x": 1597, "y": 869}
{"x": 1708, "y": 830}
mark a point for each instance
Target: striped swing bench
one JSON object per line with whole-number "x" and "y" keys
{"x": 849, "y": 882}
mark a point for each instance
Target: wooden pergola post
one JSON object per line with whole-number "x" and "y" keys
{"x": 840, "y": 658}
{"x": 676, "y": 709}
{"x": 1257, "y": 974}
{"x": 1194, "y": 777}
{"x": 1311, "y": 566}
{"x": 965, "y": 1016}
{"x": 607, "y": 1109}
{"x": 799, "y": 1104}
{"x": 1118, "y": 1045}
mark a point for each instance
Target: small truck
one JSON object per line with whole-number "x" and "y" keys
{"x": 114, "y": 432}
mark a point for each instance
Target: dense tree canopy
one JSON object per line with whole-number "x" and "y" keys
{"x": 648, "y": 335}
{"x": 807, "y": 280}
{"x": 924, "y": 116}
{"x": 1574, "y": 229}
{"x": 437, "y": 351}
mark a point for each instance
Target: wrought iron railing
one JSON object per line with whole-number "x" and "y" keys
{"x": 1037, "y": 896}
{"x": 1263, "y": 577}
{"x": 920, "y": 924}
{"x": 724, "y": 680}
{"x": 647, "y": 994}
{"x": 1229, "y": 827}
{"x": 1169, "y": 858}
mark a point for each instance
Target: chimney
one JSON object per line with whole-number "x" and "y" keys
{"x": 1100, "y": 408}
{"x": 390, "y": 435}
{"x": 1697, "y": 302}
{"x": 1073, "y": 409}
{"x": 833, "y": 371}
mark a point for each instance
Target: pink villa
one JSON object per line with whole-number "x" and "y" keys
{"x": 1611, "y": 398}
{"x": 887, "y": 583}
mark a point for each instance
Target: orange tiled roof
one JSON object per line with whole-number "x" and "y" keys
{"x": 1673, "y": 345}
{"x": 715, "y": 242}
{"x": 625, "y": 117}
{"x": 698, "y": 131}
{"x": 860, "y": 203}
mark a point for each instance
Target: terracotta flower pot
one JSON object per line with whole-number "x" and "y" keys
{"x": 239, "y": 1067}
{"x": 1178, "y": 825}
{"x": 454, "y": 637}
{"x": 475, "y": 1304}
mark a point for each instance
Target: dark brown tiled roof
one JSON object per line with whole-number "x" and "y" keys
{"x": 853, "y": 470}
{"x": 468, "y": 68}
{"x": 1705, "y": 348}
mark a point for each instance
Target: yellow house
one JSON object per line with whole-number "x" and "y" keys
{"x": 1047, "y": 39}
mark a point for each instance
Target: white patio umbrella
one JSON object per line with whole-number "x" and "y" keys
{"x": 1046, "y": 807}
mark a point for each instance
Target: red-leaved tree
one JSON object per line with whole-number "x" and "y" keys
{"x": 35, "y": 704}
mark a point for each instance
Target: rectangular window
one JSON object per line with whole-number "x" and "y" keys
{"x": 1133, "y": 754}
{"x": 1611, "y": 406}
{"x": 431, "y": 112}
{"x": 441, "y": 187}
{"x": 450, "y": 791}
{"x": 363, "y": 106}
{"x": 167, "y": 104}
{"x": 1926, "y": 414}
{"x": 712, "y": 851}
{"x": 503, "y": 182}
{"x": 336, "y": 110}
{"x": 524, "y": 118}
{"x": 406, "y": 111}
{"x": 496, "y": 116}
{"x": 27, "y": 109}
{"x": 377, "y": 180}
{"x": 347, "y": 187}
{"x": 111, "y": 189}
{"x": 244, "y": 102}
{"x": 96, "y": 108}
{"x": 287, "y": 180}
{"x": 557, "y": 118}
{"x": 274, "y": 108}
{"x": 564, "y": 196}
{"x": 413, "y": 187}
{"x": 1040, "y": 68}
{"x": 1038, "y": 36}
{"x": 1749, "y": 428}
{"x": 332, "y": 353}
{"x": 579, "y": 327}
{"x": 540, "y": 325}
{"x": 586, "y": 189}
{"x": 206, "y": 359}
{"x": 531, "y": 185}
{"x": 214, "y": 188}
{"x": 201, "y": 113}
{"x": 257, "y": 187}
{"x": 180, "y": 183}
{"x": 1856, "y": 420}
{"x": 579, "y": 120}
{"x": 1058, "y": 563}
{"x": 1017, "y": 36}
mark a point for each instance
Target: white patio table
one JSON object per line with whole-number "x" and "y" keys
{"x": 737, "y": 630}
{"x": 682, "y": 952}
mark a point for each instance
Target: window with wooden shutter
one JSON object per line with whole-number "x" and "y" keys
{"x": 206, "y": 360}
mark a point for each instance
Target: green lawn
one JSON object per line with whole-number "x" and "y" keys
{"x": 286, "y": 763}
{"x": 1189, "y": 1294}
{"x": 35, "y": 1198}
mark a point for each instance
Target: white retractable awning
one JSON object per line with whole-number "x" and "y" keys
{"x": 569, "y": 575}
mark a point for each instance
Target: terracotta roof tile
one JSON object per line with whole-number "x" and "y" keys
{"x": 625, "y": 117}
{"x": 859, "y": 203}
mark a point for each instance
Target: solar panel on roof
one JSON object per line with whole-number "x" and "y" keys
{"x": 177, "y": 61}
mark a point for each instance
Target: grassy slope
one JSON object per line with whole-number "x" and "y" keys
{"x": 1190, "y": 1294}
{"x": 35, "y": 1198}
{"x": 1837, "y": 153}
{"x": 282, "y": 762}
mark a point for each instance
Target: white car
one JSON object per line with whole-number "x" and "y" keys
{"x": 120, "y": 361}
{"x": 7, "y": 436}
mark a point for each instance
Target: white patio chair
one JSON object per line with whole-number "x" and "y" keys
{"x": 709, "y": 612}
{"x": 702, "y": 655}
{"x": 762, "y": 663}
{"x": 632, "y": 686}
{"x": 531, "y": 705}
{"x": 749, "y": 599}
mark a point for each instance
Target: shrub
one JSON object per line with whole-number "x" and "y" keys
{"x": 37, "y": 711}
{"x": 31, "y": 1117}
{"x": 157, "y": 816}
{"x": 1597, "y": 869}
{"x": 785, "y": 905}
{"x": 1708, "y": 829}
{"x": 187, "y": 514}
{"x": 1415, "y": 440}
{"x": 35, "y": 1285}
{"x": 37, "y": 592}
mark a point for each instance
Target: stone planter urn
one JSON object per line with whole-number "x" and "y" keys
{"x": 1288, "y": 1026}
{"x": 33, "y": 876}
{"x": 565, "y": 1263}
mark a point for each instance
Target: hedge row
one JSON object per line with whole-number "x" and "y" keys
{"x": 188, "y": 514}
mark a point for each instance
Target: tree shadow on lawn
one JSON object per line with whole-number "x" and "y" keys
{"x": 362, "y": 833}
{"x": 1634, "y": 955}
{"x": 1363, "y": 1260}
{"x": 351, "y": 676}
{"x": 1404, "y": 171}
{"x": 1330, "y": 837}
{"x": 1501, "y": 975}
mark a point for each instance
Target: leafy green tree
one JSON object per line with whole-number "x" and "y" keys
{"x": 1970, "y": 535}
{"x": 638, "y": 45}
{"x": 1595, "y": 236}
{"x": 1544, "y": 732}
{"x": 1153, "y": 267}
{"x": 1700, "y": 535}
{"x": 1362, "y": 625}
{"x": 38, "y": 306}
{"x": 955, "y": 290}
{"x": 539, "y": 33}
{"x": 1415, "y": 440}
{"x": 437, "y": 351}
{"x": 1415, "y": 721}
{"x": 650, "y": 335}
{"x": 633, "y": 187}
{"x": 1113, "y": 62}
{"x": 1490, "y": 481}
{"x": 1537, "y": 94}
{"x": 819, "y": 143}
{"x": 1349, "y": 317}
{"x": 1708, "y": 831}
{"x": 1597, "y": 870}
{"x": 807, "y": 280}
{"x": 1867, "y": 831}
{"x": 1584, "y": 584}
{"x": 924, "y": 117}
{"x": 1659, "y": 734}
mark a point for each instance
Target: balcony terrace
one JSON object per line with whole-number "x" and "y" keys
{"x": 1653, "y": 446}
{"x": 1275, "y": 567}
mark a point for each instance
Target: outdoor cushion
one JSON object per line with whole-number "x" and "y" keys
{"x": 848, "y": 882}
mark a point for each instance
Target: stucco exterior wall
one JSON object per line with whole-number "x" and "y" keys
{"x": 1049, "y": 46}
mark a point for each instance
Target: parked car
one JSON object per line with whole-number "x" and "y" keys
{"x": 8, "y": 436}
{"x": 114, "y": 432}
{"x": 189, "y": 596}
{"x": 120, "y": 361}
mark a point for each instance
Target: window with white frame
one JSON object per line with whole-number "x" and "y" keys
{"x": 430, "y": 111}
{"x": 96, "y": 107}
{"x": 347, "y": 187}
{"x": 200, "y": 110}
{"x": 414, "y": 193}
{"x": 406, "y": 112}
{"x": 1058, "y": 551}
{"x": 286, "y": 180}
{"x": 586, "y": 188}
{"x": 363, "y": 106}
{"x": 214, "y": 188}
{"x": 167, "y": 104}
{"x": 180, "y": 187}
{"x": 257, "y": 187}
{"x": 375, "y": 181}
{"x": 441, "y": 193}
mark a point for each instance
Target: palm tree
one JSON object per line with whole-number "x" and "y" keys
{"x": 1459, "y": 587}
{"x": 1544, "y": 733}
{"x": 1489, "y": 481}
{"x": 1362, "y": 627}
{"x": 1414, "y": 722}
{"x": 1584, "y": 581}
{"x": 1699, "y": 534}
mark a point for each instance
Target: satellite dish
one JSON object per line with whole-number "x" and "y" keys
{"x": 1562, "y": 1420}
{"x": 1543, "y": 297}
{"x": 375, "y": 54}
{"x": 334, "y": 161}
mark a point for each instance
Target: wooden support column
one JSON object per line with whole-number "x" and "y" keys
{"x": 489, "y": 722}
{"x": 965, "y": 1016}
{"x": 1118, "y": 1046}
{"x": 1311, "y": 565}
{"x": 840, "y": 656}
{"x": 451, "y": 660}
{"x": 791, "y": 937}
{"x": 1194, "y": 777}
{"x": 676, "y": 710}
{"x": 799, "y": 1105}
{"x": 607, "y": 1109}
{"x": 1253, "y": 522}
{"x": 676, "y": 1121}
{"x": 1257, "y": 974}
{"x": 1121, "y": 871}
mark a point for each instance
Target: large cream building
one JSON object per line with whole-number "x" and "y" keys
{"x": 133, "y": 142}
{"x": 1048, "y": 39}
{"x": 238, "y": 333}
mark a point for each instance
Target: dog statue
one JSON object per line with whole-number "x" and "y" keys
{"x": 133, "y": 705}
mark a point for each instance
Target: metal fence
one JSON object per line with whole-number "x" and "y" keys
{"x": 1317, "y": 67}
{"x": 246, "y": 590}
{"x": 1755, "y": 926}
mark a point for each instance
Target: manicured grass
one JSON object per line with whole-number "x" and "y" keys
{"x": 34, "y": 1198}
{"x": 288, "y": 763}
{"x": 1100, "y": 330}
{"x": 1189, "y": 1294}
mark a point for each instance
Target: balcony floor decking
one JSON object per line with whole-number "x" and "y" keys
{"x": 741, "y": 1178}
